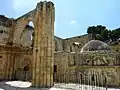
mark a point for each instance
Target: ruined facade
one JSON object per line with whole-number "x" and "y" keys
{"x": 45, "y": 58}
{"x": 23, "y": 57}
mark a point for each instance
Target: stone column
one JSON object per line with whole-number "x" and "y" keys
{"x": 43, "y": 51}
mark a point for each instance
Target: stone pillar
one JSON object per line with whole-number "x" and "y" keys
{"x": 9, "y": 63}
{"x": 43, "y": 51}
{"x": 12, "y": 28}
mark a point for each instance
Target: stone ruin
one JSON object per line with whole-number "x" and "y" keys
{"x": 45, "y": 58}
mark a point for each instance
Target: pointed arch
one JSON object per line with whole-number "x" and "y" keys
{"x": 21, "y": 23}
{"x": 26, "y": 38}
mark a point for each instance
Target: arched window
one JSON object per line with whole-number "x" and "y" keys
{"x": 55, "y": 68}
{"x": 93, "y": 78}
{"x": 27, "y": 35}
{"x": 31, "y": 25}
{"x": 70, "y": 48}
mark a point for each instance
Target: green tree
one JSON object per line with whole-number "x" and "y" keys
{"x": 100, "y": 29}
{"x": 104, "y": 34}
{"x": 115, "y": 34}
{"x": 100, "y": 32}
{"x": 91, "y": 30}
{"x": 97, "y": 32}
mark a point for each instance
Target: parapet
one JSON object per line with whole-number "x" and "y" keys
{"x": 99, "y": 52}
{"x": 48, "y": 4}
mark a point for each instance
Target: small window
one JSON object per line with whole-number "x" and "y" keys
{"x": 70, "y": 48}
{"x": 55, "y": 68}
{"x": 88, "y": 61}
{"x": 92, "y": 62}
{"x": 1, "y": 31}
{"x": 105, "y": 80}
{"x": 93, "y": 79}
{"x": 0, "y": 56}
{"x": 117, "y": 50}
{"x": 81, "y": 76}
{"x": 26, "y": 68}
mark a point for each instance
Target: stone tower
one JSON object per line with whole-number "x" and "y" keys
{"x": 43, "y": 50}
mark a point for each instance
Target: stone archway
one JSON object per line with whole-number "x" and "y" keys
{"x": 23, "y": 68}
{"x": 43, "y": 19}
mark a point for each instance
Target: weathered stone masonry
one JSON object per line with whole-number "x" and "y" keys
{"x": 43, "y": 49}
{"x": 24, "y": 59}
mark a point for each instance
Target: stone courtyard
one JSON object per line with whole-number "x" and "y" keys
{"x": 59, "y": 86}
{"x": 4, "y": 86}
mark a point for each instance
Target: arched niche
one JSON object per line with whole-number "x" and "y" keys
{"x": 26, "y": 38}
{"x": 23, "y": 69}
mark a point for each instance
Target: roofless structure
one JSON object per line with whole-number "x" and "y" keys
{"x": 45, "y": 58}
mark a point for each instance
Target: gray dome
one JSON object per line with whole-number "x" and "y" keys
{"x": 95, "y": 45}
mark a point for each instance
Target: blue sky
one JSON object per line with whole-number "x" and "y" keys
{"x": 72, "y": 16}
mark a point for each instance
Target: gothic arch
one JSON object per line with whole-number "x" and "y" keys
{"x": 43, "y": 14}
{"x": 27, "y": 35}
{"x": 21, "y": 23}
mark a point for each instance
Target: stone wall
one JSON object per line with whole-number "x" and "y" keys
{"x": 3, "y": 61}
{"x": 74, "y": 44}
{"x": 61, "y": 63}
{"x": 4, "y": 34}
{"x": 23, "y": 66}
{"x": 103, "y": 58}
{"x": 70, "y": 66}
{"x": 12, "y": 56}
{"x": 43, "y": 17}
{"x": 116, "y": 47}
{"x": 4, "y": 21}
{"x": 58, "y": 44}
{"x": 95, "y": 75}
{"x": 5, "y": 29}
{"x": 13, "y": 59}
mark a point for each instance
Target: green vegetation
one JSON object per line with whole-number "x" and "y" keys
{"x": 116, "y": 47}
{"x": 100, "y": 32}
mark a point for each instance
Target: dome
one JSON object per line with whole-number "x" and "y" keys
{"x": 95, "y": 45}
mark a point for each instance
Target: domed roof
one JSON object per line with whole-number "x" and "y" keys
{"x": 95, "y": 45}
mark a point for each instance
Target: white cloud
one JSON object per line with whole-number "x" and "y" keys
{"x": 73, "y": 22}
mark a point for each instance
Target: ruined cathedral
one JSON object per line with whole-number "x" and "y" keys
{"x": 35, "y": 54}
